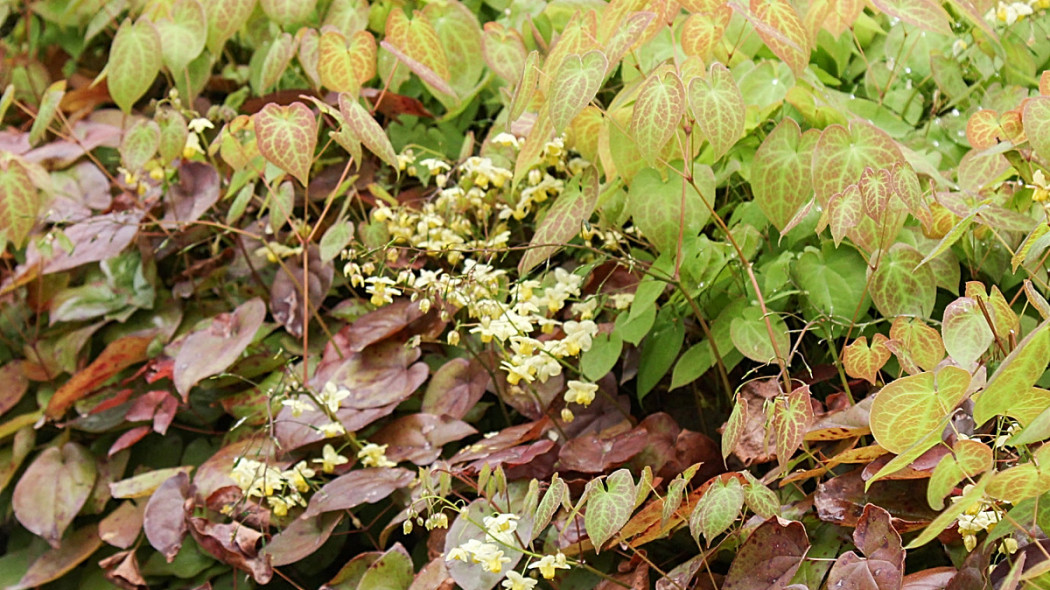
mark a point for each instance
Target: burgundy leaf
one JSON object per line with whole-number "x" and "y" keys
{"x": 301, "y": 538}
{"x": 360, "y": 486}
{"x": 419, "y": 437}
{"x": 455, "y": 388}
{"x": 769, "y": 557}
{"x": 235, "y": 545}
{"x": 165, "y": 518}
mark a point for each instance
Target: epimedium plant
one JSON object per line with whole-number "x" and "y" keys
{"x": 257, "y": 317}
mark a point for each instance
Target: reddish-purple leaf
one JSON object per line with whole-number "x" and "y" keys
{"x": 301, "y": 538}
{"x": 164, "y": 521}
{"x": 212, "y": 349}
{"x": 596, "y": 453}
{"x": 286, "y": 137}
{"x": 769, "y": 557}
{"x": 234, "y": 544}
{"x": 419, "y": 437}
{"x": 121, "y": 527}
{"x": 53, "y": 489}
{"x": 128, "y": 439}
{"x": 455, "y": 388}
{"x": 360, "y": 486}
{"x": 382, "y": 374}
{"x": 195, "y": 192}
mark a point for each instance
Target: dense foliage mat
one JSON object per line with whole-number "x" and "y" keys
{"x": 523, "y": 294}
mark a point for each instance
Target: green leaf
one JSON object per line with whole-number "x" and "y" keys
{"x": 908, "y": 409}
{"x": 225, "y": 18}
{"x": 1036, "y": 118}
{"x": 609, "y": 506}
{"x": 504, "y": 51}
{"x": 659, "y": 350}
{"x": 577, "y": 81}
{"x": 602, "y": 356}
{"x": 19, "y": 201}
{"x": 734, "y": 426}
{"x": 718, "y": 108}
{"x": 366, "y": 130}
{"x": 900, "y": 286}
{"x": 287, "y": 137}
{"x": 288, "y": 12}
{"x": 717, "y": 509}
{"x": 183, "y": 33}
{"x": 173, "y": 133}
{"x": 460, "y": 33}
{"x": 53, "y": 489}
{"x": 947, "y": 518}
{"x": 751, "y": 337}
{"x": 1018, "y": 373}
{"x": 552, "y": 499}
{"x": 967, "y": 459}
{"x": 134, "y": 60}
{"x": 392, "y": 571}
{"x": 46, "y": 113}
{"x": 672, "y": 500}
{"x": 530, "y": 76}
{"x": 335, "y": 238}
{"x": 760, "y": 499}
{"x": 139, "y": 144}
{"x": 1019, "y": 483}
{"x": 656, "y": 204}
{"x": 845, "y": 212}
{"x": 563, "y": 221}
{"x": 270, "y": 63}
{"x": 780, "y": 173}
{"x": 657, "y": 113}
{"x": 925, "y": 14}
{"x": 965, "y": 332}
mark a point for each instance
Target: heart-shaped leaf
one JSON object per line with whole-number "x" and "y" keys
{"x": 781, "y": 30}
{"x": 270, "y": 63}
{"x": 286, "y": 137}
{"x": 657, "y": 112}
{"x": 899, "y": 286}
{"x": 577, "y": 81}
{"x": 656, "y": 204}
{"x": 139, "y": 144}
{"x": 703, "y": 31}
{"x": 225, "y": 18}
{"x": 288, "y": 12}
{"x": 342, "y": 66}
{"x": 909, "y": 409}
{"x": 772, "y": 553}
{"x": 965, "y": 332}
{"x": 861, "y": 361}
{"x": 134, "y": 60}
{"x": 19, "y": 201}
{"x": 609, "y": 506}
{"x": 967, "y": 459}
{"x": 792, "y": 416}
{"x": 53, "y": 489}
{"x": 841, "y": 155}
{"x": 214, "y": 348}
{"x": 1036, "y": 117}
{"x": 717, "y": 509}
{"x": 718, "y": 108}
{"x": 781, "y": 172}
{"x": 563, "y": 221}
{"x": 183, "y": 33}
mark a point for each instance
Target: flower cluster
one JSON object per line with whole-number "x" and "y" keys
{"x": 1009, "y": 13}
{"x": 282, "y": 489}
{"x": 499, "y": 532}
{"x": 982, "y": 516}
{"x": 330, "y": 398}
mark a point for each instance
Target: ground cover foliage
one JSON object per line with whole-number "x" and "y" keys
{"x": 521, "y": 294}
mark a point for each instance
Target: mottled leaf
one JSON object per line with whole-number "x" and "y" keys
{"x": 968, "y": 459}
{"x": 286, "y": 137}
{"x": 717, "y": 510}
{"x": 563, "y": 221}
{"x": 787, "y": 39}
{"x": 899, "y": 286}
{"x": 1018, "y": 373}
{"x": 183, "y": 33}
{"x": 609, "y": 506}
{"x": 288, "y": 12}
{"x": 860, "y": 360}
{"x": 781, "y": 172}
{"x": 1036, "y": 117}
{"x": 139, "y": 144}
{"x": 718, "y": 108}
{"x": 792, "y": 416}
{"x": 344, "y": 66}
{"x": 909, "y": 409}
{"x": 365, "y": 129}
{"x": 657, "y": 111}
{"x": 225, "y": 18}
{"x": 577, "y": 81}
{"x": 925, "y": 14}
{"x": 19, "y": 201}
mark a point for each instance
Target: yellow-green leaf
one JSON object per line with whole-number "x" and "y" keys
{"x": 183, "y": 33}
{"x": 19, "y": 201}
{"x": 139, "y": 144}
{"x": 717, "y": 509}
{"x": 267, "y": 70}
{"x": 225, "y": 18}
{"x": 288, "y": 12}
{"x": 504, "y": 51}
{"x": 781, "y": 30}
{"x": 134, "y": 60}
{"x": 909, "y": 409}
{"x": 343, "y": 66}
{"x": 563, "y": 221}
{"x": 718, "y": 108}
{"x": 967, "y": 459}
{"x": 366, "y": 130}
{"x": 609, "y": 506}
{"x": 578, "y": 80}
{"x": 1017, "y": 373}
{"x": 46, "y": 113}
{"x": 864, "y": 362}
{"x": 657, "y": 112}
{"x": 947, "y": 518}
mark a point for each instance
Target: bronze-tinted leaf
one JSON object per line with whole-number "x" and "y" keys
{"x": 121, "y": 527}
{"x": 455, "y": 388}
{"x": 595, "y": 453}
{"x": 214, "y": 348}
{"x": 419, "y": 437}
{"x": 380, "y": 375}
{"x": 769, "y": 557}
{"x": 360, "y": 486}
{"x": 53, "y": 489}
{"x": 234, "y": 544}
{"x": 55, "y": 563}
{"x": 301, "y": 538}
{"x": 164, "y": 521}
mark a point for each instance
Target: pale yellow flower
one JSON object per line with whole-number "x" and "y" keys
{"x": 330, "y": 459}
{"x": 581, "y": 393}
{"x": 516, "y": 581}
{"x": 549, "y": 564}
{"x": 373, "y": 455}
